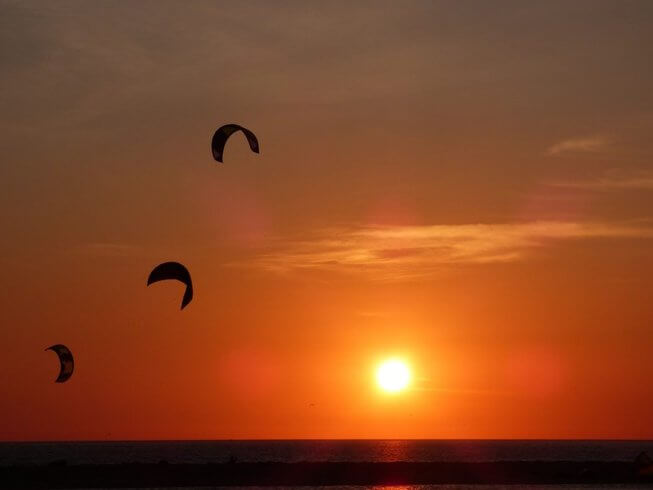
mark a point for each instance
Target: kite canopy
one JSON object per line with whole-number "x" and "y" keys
{"x": 66, "y": 361}
{"x": 173, "y": 270}
{"x": 222, "y": 135}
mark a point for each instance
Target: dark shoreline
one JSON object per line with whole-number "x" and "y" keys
{"x": 294, "y": 474}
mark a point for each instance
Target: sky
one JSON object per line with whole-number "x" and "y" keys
{"x": 467, "y": 186}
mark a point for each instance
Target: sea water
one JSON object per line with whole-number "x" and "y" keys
{"x": 200, "y": 452}
{"x": 424, "y": 487}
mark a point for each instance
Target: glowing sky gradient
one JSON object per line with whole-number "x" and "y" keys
{"x": 464, "y": 185}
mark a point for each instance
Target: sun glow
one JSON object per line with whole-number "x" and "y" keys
{"x": 393, "y": 375}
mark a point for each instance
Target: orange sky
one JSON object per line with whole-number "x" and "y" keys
{"x": 466, "y": 186}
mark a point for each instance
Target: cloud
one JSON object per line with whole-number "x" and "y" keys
{"x": 396, "y": 252}
{"x": 588, "y": 144}
{"x": 612, "y": 183}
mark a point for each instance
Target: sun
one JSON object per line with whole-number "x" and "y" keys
{"x": 393, "y": 375}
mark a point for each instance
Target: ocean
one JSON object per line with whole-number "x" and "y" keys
{"x": 291, "y": 451}
{"x": 419, "y": 487}
{"x": 200, "y": 452}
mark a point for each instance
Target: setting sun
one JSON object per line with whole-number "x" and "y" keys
{"x": 393, "y": 376}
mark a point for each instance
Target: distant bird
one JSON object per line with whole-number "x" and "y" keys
{"x": 173, "y": 270}
{"x": 65, "y": 360}
{"x": 222, "y": 135}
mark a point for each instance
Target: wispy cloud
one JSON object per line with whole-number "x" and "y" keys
{"x": 396, "y": 252}
{"x": 575, "y": 145}
{"x": 612, "y": 182}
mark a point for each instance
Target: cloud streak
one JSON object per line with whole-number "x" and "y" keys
{"x": 612, "y": 183}
{"x": 578, "y": 145}
{"x": 399, "y": 252}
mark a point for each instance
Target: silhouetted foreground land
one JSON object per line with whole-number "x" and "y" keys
{"x": 262, "y": 474}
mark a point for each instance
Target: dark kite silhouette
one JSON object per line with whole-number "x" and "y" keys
{"x": 222, "y": 135}
{"x": 173, "y": 270}
{"x": 66, "y": 360}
